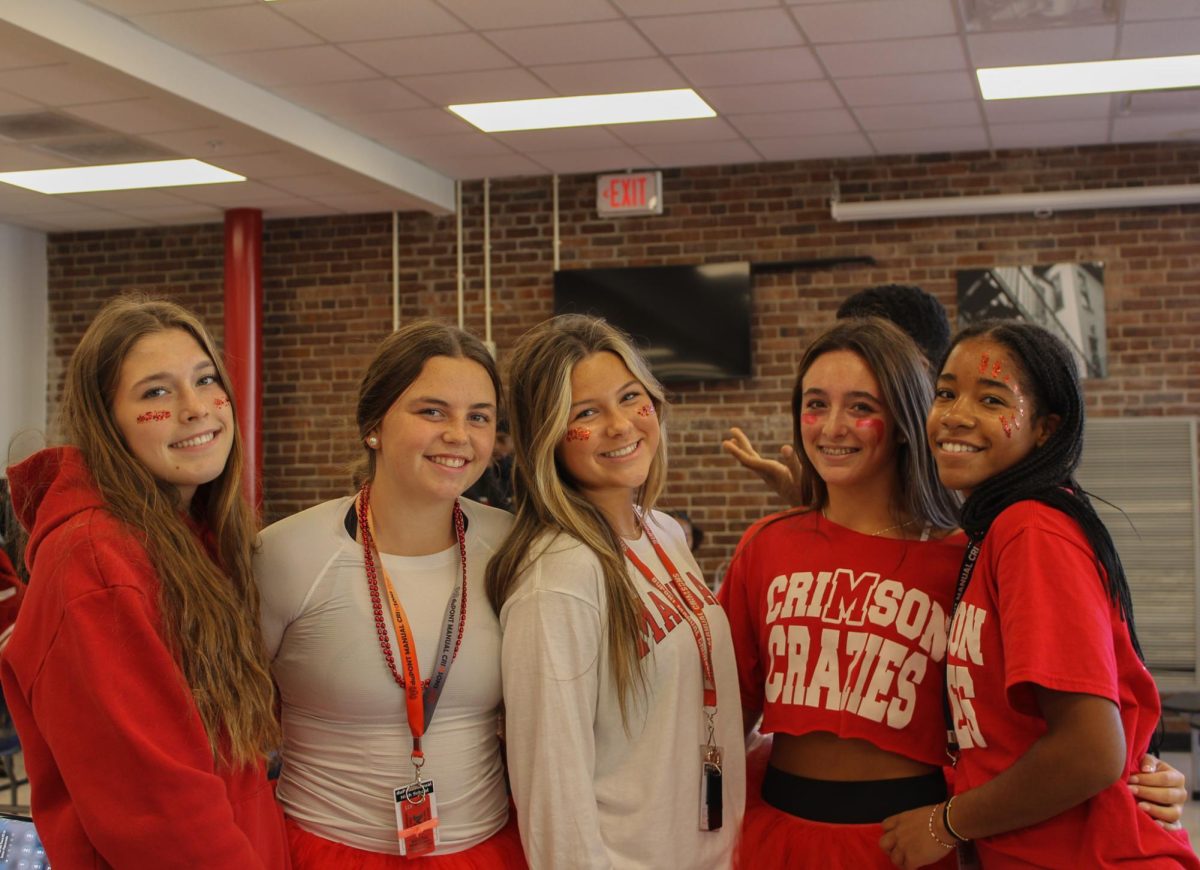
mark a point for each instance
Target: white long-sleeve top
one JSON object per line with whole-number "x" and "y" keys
{"x": 590, "y": 794}
{"x": 345, "y": 725}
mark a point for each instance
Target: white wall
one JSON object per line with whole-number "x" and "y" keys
{"x": 24, "y": 324}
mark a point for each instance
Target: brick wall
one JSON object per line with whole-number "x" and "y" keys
{"x": 328, "y": 290}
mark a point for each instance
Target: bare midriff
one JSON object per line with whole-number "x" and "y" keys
{"x": 822, "y": 755}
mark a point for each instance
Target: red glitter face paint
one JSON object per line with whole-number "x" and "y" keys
{"x": 579, "y": 434}
{"x": 983, "y": 361}
{"x": 996, "y": 370}
{"x": 871, "y": 424}
{"x": 646, "y": 411}
{"x": 220, "y": 402}
{"x": 1007, "y": 426}
{"x": 154, "y": 416}
{"x": 809, "y": 419}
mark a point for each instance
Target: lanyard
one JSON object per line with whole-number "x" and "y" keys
{"x": 420, "y": 698}
{"x": 693, "y": 613}
{"x": 970, "y": 557}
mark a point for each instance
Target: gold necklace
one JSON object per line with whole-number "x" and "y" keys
{"x": 873, "y": 534}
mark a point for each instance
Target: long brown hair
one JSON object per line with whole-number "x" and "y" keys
{"x": 903, "y": 376}
{"x": 210, "y": 608}
{"x": 547, "y": 499}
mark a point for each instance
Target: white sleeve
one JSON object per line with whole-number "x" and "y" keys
{"x": 291, "y": 557}
{"x": 550, "y": 653}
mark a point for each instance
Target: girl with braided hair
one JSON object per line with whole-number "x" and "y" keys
{"x": 1050, "y": 702}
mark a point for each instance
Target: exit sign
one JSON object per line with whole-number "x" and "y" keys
{"x": 631, "y": 193}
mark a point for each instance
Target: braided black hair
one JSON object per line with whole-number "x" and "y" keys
{"x": 1047, "y": 474}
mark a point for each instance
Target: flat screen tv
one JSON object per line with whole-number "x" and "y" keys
{"x": 691, "y": 322}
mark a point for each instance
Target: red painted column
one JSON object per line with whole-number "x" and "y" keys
{"x": 243, "y": 336}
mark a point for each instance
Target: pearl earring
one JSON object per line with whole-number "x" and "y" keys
{"x": 372, "y": 441}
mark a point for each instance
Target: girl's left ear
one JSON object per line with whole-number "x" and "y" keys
{"x": 1049, "y": 425}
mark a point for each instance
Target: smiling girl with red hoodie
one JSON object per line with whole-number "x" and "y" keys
{"x": 135, "y": 674}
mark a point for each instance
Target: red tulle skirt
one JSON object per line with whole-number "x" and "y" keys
{"x": 501, "y": 851}
{"x": 773, "y": 840}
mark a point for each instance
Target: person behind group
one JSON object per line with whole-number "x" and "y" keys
{"x": 918, "y": 314}
{"x": 135, "y": 673}
{"x": 348, "y": 583}
{"x": 692, "y": 533}
{"x": 615, "y": 655}
{"x": 1050, "y": 701}
{"x": 838, "y": 611}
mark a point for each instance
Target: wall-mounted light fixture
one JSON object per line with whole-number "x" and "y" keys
{"x": 1040, "y": 204}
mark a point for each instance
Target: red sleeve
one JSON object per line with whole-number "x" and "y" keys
{"x": 1055, "y": 617}
{"x": 745, "y": 624}
{"x": 122, "y": 731}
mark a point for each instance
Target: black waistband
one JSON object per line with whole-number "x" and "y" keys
{"x": 850, "y": 803}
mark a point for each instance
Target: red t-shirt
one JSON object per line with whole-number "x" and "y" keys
{"x": 1037, "y": 613}
{"x": 843, "y": 632}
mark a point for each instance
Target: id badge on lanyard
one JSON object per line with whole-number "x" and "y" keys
{"x": 692, "y": 611}
{"x": 416, "y": 805}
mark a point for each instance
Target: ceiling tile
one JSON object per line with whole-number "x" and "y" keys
{"x": 721, "y": 31}
{"x": 83, "y": 221}
{"x": 1153, "y": 128}
{"x": 252, "y": 27}
{"x": 213, "y": 143}
{"x": 365, "y": 203}
{"x": 917, "y": 115}
{"x": 568, "y": 139}
{"x": 665, "y": 132}
{"x": 611, "y": 77}
{"x": 1048, "y": 109}
{"x": 22, "y": 48}
{"x": 567, "y": 43}
{"x": 892, "y": 57}
{"x": 930, "y": 140}
{"x": 1161, "y": 38}
{"x": 749, "y": 67}
{"x": 121, "y": 200}
{"x": 455, "y": 145}
{"x": 1053, "y": 45}
{"x": 455, "y": 52}
{"x": 875, "y": 19}
{"x": 597, "y": 160}
{"x": 478, "y": 87}
{"x": 150, "y": 115}
{"x": 308, "y": 64}
{"x": 296, "y": 208}
{"x": 700, "y": 153}
{"x": 350, "y": 20}
{"x": 1151, "y": 10}
{"x": 1048, "y": 134}
{"x": 795, "y": 96}
{"x": 137, "y": 7}
{"x": 69, "y": 84}
{"x": 814, "y": 147}
{"x": 245, "y": 193}
{"x": 11, "y": 104}
{"x": 17, "y": 158}
{"x": 394, "y": 127}
{"x": 639, "y": 8}
{"x": 901, "y": 89}
{"x": 327, "y": 184}
{"x": 185, "y": 213}
{"x": 490, "y": 14}
{"x": 773, "y": 125}
{"x": 18, "y": 201}
{"x": 501, "y": 166}
{"x": 280, "y": 164}
{"x": 343, "y": 99}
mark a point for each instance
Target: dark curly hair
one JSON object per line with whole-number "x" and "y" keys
{"x": 911, "y": 309}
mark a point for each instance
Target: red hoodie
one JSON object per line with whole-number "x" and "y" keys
{"x": 121, "y": 771}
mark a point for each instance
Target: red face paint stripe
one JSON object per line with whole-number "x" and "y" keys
{"x": 220, "y": 402}
{"x": 996, "y": 370}
{"x": 983, "y": 361}
{"x": 809, "y": 419}
{"x": 1007, "y": 426}
{"x": 871, "y": 423}
{"x": 646, "y": 411}
{"x": 154, "y": 416}
{"x": 578, "y": 434}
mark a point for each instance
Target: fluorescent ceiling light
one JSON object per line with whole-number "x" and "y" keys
{"x": 1096, "y": 77}
{"x": 586, "y": 111}
{"x": 120, "y": 176}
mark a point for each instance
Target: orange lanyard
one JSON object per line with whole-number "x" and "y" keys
{"x": 420, "y": 698}
{"x": 693, "y": 612}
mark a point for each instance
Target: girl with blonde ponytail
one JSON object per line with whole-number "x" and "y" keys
{"x": 615, "y": 656}
{"x": 135, "y": 674}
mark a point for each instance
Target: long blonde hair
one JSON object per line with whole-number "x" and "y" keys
{"x": 210, "y": 609}
{"x": 546, "y": 499}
